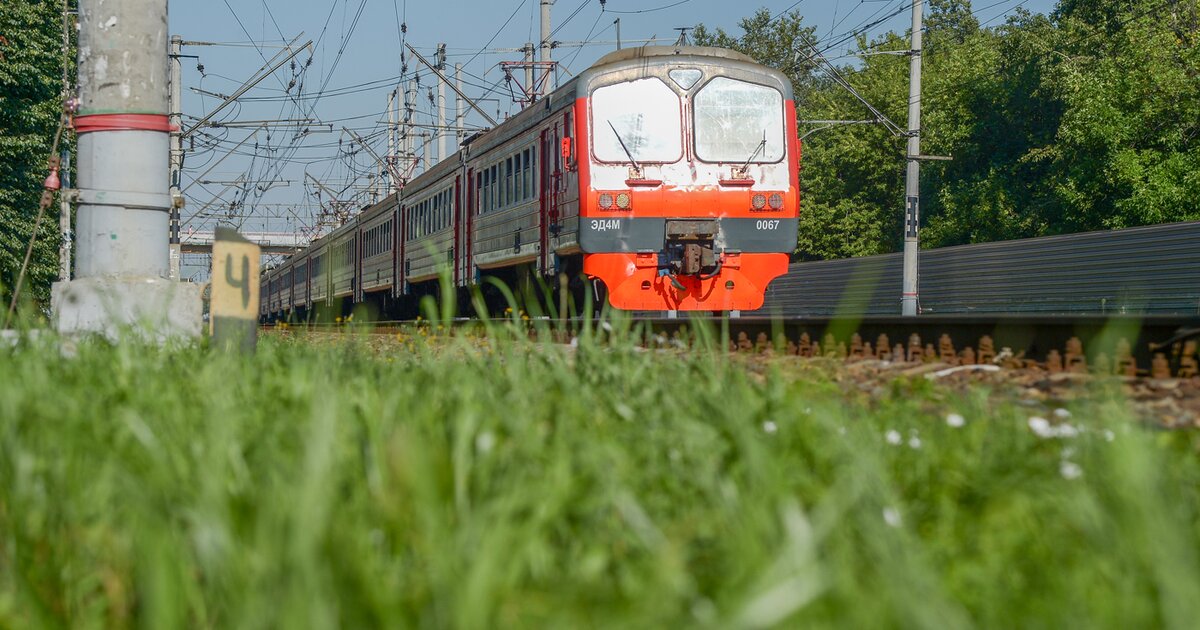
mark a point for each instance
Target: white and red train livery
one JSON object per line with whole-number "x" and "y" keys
{"x": 670, "y": 174}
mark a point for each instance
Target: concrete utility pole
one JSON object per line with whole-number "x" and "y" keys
{"x": 441, "y": 104}
{"x": 391, "y": 153}
{"x": 64, "y": 219}
{"x": 459, "y": 110}
{"x": 406, "y": 131}
{"x": 64, "y": 201}
{"x": 912, "y": 181}
{"x": 544, "y": 47}
{"x": 123, "y": 126}
{"x": 528, "y": 70}
{"x": 176, "y": 112}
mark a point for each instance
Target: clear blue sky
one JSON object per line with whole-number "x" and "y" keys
{"x": 356, "y": 58}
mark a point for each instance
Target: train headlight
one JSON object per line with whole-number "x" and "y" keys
{"x": 776, "y": 201}
{"x": 623, "y": 201}
{"x": 606, "y": 201}
{"x": 758, "y": 201}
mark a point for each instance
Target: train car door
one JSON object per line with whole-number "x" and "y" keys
{"x": 457, "y": 231}
{"x": 468, "y": 223}
{"x": 396, "y": 240}
{"x": 356, "y": 294}
{"x": 548, "y": 211}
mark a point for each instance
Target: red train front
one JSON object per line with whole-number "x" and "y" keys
{"x": 688, "y": 178}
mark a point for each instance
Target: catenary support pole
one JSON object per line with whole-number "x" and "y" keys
{"x": 441, "y": 105}
{"x": 529, "y": 91}
{"x": 544, "y": 48}
{"x": 64, "y": 219}
{"x": 176, "y": 116}
{"x": 394, "y": 185}
{"x": 64, "y": 202}
{"x": 910, "y": 300}
{"x": 122, "y": 256}
{"x": 544, "y": 42}
{"x": 406, "y": 133}
{"x": 459, "y": 107}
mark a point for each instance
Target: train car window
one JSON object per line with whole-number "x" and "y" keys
{"x": 495, "y": 187}
{"x": 518, "y": 182}
{"x": 508, "y": 182}
{"x": 638, "y": 119}
{"x": 738, "y": 122}
{"x": 527, "y": 171}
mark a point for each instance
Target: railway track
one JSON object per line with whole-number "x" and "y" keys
{"x": 1136, "y": 346}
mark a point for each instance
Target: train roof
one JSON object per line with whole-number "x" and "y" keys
{"x": 640, "y": 52}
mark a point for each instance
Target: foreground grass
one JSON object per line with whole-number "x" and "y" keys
{"x": 539, "y": 486}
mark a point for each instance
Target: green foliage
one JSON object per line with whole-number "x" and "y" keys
{"x": 1087, "y": 119}
{"x": 30, "y": 105}
{"x": 471, "y": 484}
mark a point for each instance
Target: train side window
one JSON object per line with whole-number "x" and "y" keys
{"x": 495, "y": 196}
{"x": 519, "y": 177}
{"x": 527, "y": 174}
{"x": 508, "y": 181}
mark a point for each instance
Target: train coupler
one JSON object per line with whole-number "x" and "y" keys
{"x": 691, "y": 247}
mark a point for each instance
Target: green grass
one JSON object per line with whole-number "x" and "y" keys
{"x": 517, "y": 485}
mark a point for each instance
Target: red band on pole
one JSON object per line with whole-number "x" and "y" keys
{"x": 123, "y": 122}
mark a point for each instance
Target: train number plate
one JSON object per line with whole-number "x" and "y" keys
{"x": 767, "y": 224}
{"x": 605, "y": 225}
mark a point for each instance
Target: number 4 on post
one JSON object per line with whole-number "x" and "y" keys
{"x": 233, "y": 312}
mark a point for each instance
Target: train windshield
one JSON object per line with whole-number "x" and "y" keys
{"x": 638, "y": 120}
{"x": 738, "y": 122}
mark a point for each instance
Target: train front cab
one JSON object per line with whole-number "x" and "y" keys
{"x": 689, "y": 172}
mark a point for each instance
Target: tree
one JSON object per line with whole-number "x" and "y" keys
{"x": 30, "y": 105}
{"x": 1128, "y": 73}
{"x": 782, "y": 43}
{"x": 1082, "y": 120}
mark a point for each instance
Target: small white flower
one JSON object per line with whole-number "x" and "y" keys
{"x": 1041, "y": 427}
{"x": 841, "y": 430}
{"x": 1070, "y": 470}
{"x": 769, "y": 427}
{"x": 1066, "y": 431}
{"x": 914, "y": 442}
{"x": 894, "y": 437}
{"x": 1068, "y": 453}
{"x": 1062, "y": 413}
{"x": 891, "y": 516}
{"x": 485, "y": 441}
{"x": 1109, "y": 436}
{"x": 955, "y": 420}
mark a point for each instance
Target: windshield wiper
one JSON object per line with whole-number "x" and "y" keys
{"x": 761, "y": 145}
{"x": 628, "y": 154}
{"x": 740, "y": 172}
